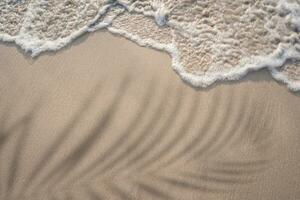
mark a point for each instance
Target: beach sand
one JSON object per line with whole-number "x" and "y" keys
{"x": 106, "y": 119}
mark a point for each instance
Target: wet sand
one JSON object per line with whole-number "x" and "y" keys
{"x": 106, "y": 119}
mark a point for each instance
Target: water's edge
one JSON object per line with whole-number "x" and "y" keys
{"x": 31, "y": 43}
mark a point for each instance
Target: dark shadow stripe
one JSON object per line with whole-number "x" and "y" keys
{"x": 63, "y": 135}
{"x": 123, "y": 136}
{"x": 153, "y": 191}
{"x": 68, "y": 164}
{"x": 243, "y": 164}
{"x": 11, "y": 131}
{"x": 19, "y": 147}
{"x": 268, "y": 125}
{"x": 209, "y": 179}
{"x": 141, "y": 153}
{"x": 215, "y": 131}
{"x": 193, "y": 143}
{"x": 6, "y": 116}
{"x": 189, "y": 120}
{"x": 185, "y": 185}
{"x": 162, "y": 133}
{"x": 143, "y": 135}
{"x": 233, "y": 171}
{"x": 245, "y": 122}
{"x": 15, "y": 165}
{"x": 181, "y": 133}
{"x": 6, "y": 132}
{"x": 24, "y": 134}
{"x": 205, "y": 127}
{"x": 228, "y": 130}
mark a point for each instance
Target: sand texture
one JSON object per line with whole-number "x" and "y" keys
{"x": 208, "y": 40}
{"x": 107, "y": 119}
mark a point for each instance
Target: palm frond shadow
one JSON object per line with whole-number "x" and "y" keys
{"x": 20, "y": 130}
{"x": 142, "y": 155}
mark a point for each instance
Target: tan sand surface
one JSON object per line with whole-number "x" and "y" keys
{"x": 107, "y": 119}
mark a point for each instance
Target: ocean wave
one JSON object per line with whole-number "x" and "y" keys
{"x": 208, "y": 40}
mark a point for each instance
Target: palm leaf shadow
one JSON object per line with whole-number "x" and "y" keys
{"x": 134, "y": 151}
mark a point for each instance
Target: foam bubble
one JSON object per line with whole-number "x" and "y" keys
{"x": 207, "y": 40}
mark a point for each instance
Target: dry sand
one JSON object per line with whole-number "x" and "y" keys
{"x": 107, "y": 119}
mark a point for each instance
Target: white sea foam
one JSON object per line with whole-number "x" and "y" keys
{"x": 208, "y": 40}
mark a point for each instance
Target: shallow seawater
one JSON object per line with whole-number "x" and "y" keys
{"x": 208, "y": 40}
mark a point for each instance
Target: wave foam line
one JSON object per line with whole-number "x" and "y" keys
{"x": 278, "y": 58}
{"x": 272, "y": 61}
{"x": 36, "y": 46}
